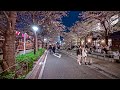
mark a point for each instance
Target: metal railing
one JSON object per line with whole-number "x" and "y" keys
{"x": 97, "y": 55}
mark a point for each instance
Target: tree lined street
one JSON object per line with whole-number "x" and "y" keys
{"x": 27, "y": 37}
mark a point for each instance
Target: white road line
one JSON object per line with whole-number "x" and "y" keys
{"x": 59, "y": 55}
{"x": 41, "y": 72}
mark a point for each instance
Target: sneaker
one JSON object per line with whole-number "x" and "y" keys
{"x": 79, "y": 63}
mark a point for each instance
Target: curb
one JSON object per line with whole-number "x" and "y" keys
{"x": 34, "y": 73}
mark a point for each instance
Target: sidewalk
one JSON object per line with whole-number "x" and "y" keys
{"x": 108, "y": 68}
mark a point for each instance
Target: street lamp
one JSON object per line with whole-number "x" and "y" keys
{"x": 35, "y": 28}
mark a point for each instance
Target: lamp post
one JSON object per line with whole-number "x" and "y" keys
{"x": 35, "y": 28}
{"x": 24, "y": 42}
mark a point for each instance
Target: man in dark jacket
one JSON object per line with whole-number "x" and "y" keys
{"x": 53, "y": 49}
{"x": 50, "y": 49}
{"x": 79, "y": 54}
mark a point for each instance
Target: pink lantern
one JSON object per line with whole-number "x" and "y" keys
{"x": 18, "y": 33}
{"x": 22, "y": 35}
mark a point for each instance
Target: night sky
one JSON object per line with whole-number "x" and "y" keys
{"x": 71, "y": 18}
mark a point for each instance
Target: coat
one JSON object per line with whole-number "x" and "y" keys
{"x": 84, "y": 53}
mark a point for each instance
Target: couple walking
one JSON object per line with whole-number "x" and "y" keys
{"x": 52, "y": 48}
{"x": 82, "y": 55}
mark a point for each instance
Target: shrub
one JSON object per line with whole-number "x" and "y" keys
{"x": 26, "y": 58}
{"x": 7, "y": 75}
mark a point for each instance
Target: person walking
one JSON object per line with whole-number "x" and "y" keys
{"x": 53, "y": 49}
{"x": 50, "y": 49}
{"x": 58, "y": 48}
{"x": 84, "y": 55}
{"x": 79, "y": 55}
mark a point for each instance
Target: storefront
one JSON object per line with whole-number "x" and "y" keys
{"x": 115, "y": 41}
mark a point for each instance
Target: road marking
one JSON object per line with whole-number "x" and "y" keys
{"x": 57, "y": 55}
{"x": 40, "y": 75}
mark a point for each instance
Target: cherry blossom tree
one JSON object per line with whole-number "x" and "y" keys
{"x": 7, "y": 29}
{"x": 103, "y": 17}
{"x": 10, "y": 21}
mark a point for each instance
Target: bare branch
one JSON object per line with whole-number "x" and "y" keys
{"x": 6, "y": 15}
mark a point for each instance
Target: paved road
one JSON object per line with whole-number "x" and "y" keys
{"x": 67, "y": 68}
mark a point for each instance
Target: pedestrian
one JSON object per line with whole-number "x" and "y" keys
{"x": 84, "y": 55}
{"x": 50, "y": 49}
{"x": 53, "y": 48}
{"x": 79, "y": 55}
{"x": 58, "y": 47}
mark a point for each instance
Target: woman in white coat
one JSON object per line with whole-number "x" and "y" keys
{"x": 84, "y": 55}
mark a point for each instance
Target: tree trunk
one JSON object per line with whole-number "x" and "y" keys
{"x": 106, "y": 37}
{"x": 106, "y": 33}
{"x": 9, "y": 44}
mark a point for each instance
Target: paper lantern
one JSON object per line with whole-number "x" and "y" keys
{"x": 22, "y": 35}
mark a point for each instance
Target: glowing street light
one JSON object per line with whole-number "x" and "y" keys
{"x": 35, "y": 28}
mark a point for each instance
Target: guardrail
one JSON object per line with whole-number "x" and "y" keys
{"x": 34, "y": 74}
{"x": 108, "y": 57}
{"x": 98, "y": 56}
